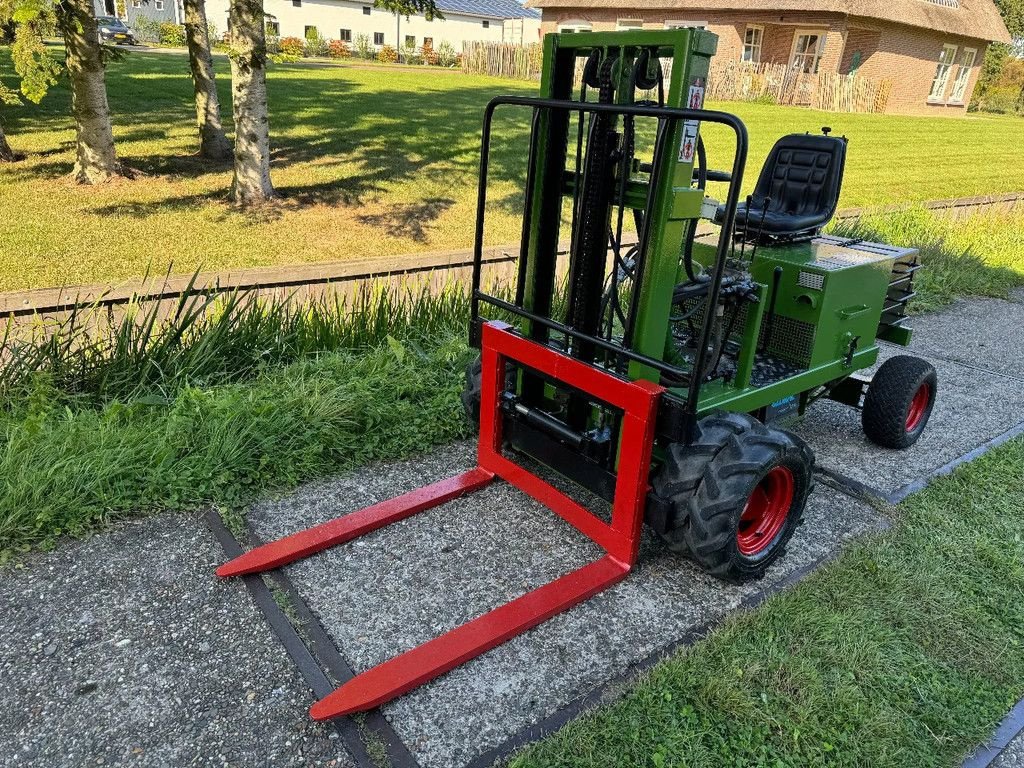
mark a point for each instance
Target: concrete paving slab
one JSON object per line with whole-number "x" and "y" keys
{"x": 124, "y": 649}
{"x": 400, "y": 586}
{"x": 986, "y": 333}
{"x": 973, "y": 407}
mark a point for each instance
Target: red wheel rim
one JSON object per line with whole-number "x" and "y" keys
{"x": 918, "y": 407}
{"x": 766, "y": 512}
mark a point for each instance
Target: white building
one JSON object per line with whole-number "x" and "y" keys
{"x": 464, "y": 20}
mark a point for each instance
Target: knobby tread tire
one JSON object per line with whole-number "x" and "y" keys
{"x": 710, "y": 482}
{"x": 471, "y": 390}
{"x": 887, "y": 402}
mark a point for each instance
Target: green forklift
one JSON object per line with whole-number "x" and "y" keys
{"x": 744, "y": 333}
{"x": 647, "y": 367}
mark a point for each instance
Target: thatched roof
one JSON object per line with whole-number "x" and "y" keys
{"x": 979, "y": 19}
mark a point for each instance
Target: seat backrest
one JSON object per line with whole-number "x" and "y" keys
{"x": 803, "y": 176}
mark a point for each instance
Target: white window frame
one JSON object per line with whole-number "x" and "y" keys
{"x": 136, "y": 3}
{"x": 685, "y": 24}
{"x": 575, "y": 25}
{"x": 755, "y": 57}
{"x": 158, "y": 4}
{"x": 942, "y": 72}
{"x": 963, "y": 75}
{"x": 822, "y": 36}
{"x": 627, "y": 25}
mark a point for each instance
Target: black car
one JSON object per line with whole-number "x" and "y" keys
{"x": 114, "y": 31}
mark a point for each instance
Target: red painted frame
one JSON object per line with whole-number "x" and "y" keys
{"x": 620, "y": 539}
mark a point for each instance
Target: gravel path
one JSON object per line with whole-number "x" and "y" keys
{"x": 124, "y": 649}
{"x": 1012, "y": 756}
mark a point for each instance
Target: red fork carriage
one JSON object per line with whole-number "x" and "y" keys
{"x": 620, "y": 538}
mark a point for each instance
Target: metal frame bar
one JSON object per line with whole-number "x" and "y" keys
{"x": 663, "y": 115}
{"x": 620, "y": 538}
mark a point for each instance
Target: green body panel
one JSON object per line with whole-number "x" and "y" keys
{"x": 829, "y": 304}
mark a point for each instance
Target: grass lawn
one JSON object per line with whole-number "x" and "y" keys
{"x": 904, "y": 652}
{"x": 371, "y": 161}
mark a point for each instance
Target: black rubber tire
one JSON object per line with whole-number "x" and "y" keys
{"x": 710, "y": 482}
{"x": 471, "y": 392}
{"x": 890, "y": 394}
{"x": 471, "y": 389}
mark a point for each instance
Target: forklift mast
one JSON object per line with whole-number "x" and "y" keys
{"x": 610, "y": 101}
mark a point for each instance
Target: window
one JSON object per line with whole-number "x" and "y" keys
{"x": 627, "y": 24}
{"x": 946, "y": 59}
{"x": 752, "y": 43}
{"x": 574, "y": 26}
{"x": 963, "y": 75}
{"x": 366, "y": 10}
{"x": 807, "y": 50}
{"x": 378, "y": 38}
{"x": 345, "y": 35}
{"x": 428, "y": 42}
{"x": 487, "y": 24}
{"x": 159, "y": 4}
{"x": 297, "y": 3}
{"x": 136, "y": 3}
{"x": 311, "y": 33}
{"x": 677, "y": 24}
{"x": 410, "y": 41}
{"x": 273, "y": 29}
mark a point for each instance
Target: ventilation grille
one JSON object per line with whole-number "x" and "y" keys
{"x": 811, "y": 280}
{"x": 792, "y": 340}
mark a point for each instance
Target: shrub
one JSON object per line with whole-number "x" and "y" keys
{"x": 291, "y": 46}
{"x": 316, "y": 45}
{"x": 429, "y": 55}
{"x": 172, "y": 34}
{"x": 387, "y": 54}
{"x": 446, "y": 55}
{"x": 363, "y": 48}
{"x": 338, "y": 49}
{"x": 146, "y": 30}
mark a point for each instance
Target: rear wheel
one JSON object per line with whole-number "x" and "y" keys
{"x": 737, "y": 495}
{"x": 899, "y": 401}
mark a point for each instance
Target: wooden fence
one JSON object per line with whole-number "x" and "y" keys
{"x": 519, "y": 62}
{"x": 780, "y": 84}
{"x": 728, "y": 80}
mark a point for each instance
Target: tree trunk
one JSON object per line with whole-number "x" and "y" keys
{"x": 96, "y": 161}
{"x": 213, "y": 144}
{"x": 6, "y": 153}
{"x": 249, "y": 99}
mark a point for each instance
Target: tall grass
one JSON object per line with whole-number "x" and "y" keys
{"x": 67, "y": 470}
{"x": 153, "y": 351}
{"x": 978, "y": 255}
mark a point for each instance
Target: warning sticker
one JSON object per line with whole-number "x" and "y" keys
{"x": 696, "y": 100}
{"x": 688, "y": 146}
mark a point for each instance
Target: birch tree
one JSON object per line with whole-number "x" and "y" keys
{"x": 213, "y": 144}
{"x": 95, "y": 159}
{"x": 252, "y": 184}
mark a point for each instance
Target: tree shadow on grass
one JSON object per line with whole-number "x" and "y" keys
{"x": 360, "y": 135}
{"x": 409, "y": 220}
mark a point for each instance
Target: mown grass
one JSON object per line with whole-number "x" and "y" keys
{"x": 373, "y": 161}
{"x": 904, "y": 652}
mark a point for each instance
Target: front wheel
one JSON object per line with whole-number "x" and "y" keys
{"x": 737, "y": 495}
{"x": 899, "y": 401}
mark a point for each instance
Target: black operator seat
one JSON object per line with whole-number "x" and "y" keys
{"x": 801, "y": 181}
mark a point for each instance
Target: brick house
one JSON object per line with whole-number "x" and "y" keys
{"x": 931, "y": 50}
